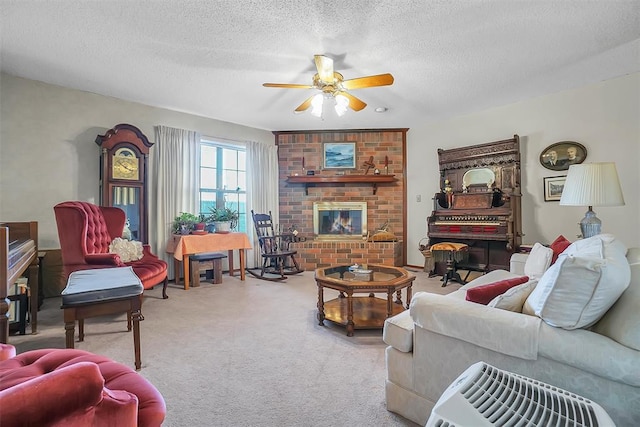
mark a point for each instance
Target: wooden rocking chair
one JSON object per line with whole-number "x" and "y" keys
{"x": 277, "y": 259}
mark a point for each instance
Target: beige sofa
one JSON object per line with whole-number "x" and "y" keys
{"x": 440, "y": 336}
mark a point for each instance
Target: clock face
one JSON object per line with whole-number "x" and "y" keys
{"x": 125, "y": 165}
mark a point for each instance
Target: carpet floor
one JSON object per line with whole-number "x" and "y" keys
{"x": 245, "y": 354}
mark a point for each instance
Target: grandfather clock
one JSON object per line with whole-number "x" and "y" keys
{"x": 123, "y": 176}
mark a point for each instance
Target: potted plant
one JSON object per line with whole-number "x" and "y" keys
{"x": 184, "y": 223}
{"x": 224, "y": 219}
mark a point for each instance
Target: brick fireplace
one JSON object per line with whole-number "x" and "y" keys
{"x": 302, "y": 151}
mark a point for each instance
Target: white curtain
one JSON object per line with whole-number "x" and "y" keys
{"x": 262, "y": 189}
{"x": 174, "y": 174}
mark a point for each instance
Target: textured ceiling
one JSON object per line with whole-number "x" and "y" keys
{"x": 210, "y": 58}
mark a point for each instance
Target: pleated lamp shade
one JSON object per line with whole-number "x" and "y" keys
{"x": 592, "y": 184}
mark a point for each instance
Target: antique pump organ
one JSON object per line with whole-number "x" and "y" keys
{"x": 479, "y": 204}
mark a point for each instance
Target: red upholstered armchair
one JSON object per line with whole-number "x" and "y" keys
{"x": 66, "y": 387}
{"x": 86, "y": 231}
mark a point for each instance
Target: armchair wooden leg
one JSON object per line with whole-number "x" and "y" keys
{"x": 164, "y": 288}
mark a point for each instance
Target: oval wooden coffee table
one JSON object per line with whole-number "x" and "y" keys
{"x": 365, "y": 312}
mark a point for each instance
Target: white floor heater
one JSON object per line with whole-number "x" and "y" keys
{"x": 484, "y": 395}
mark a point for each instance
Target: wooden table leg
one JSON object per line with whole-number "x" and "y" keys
{"x": 230, "y": 258}
{"x": 320, "y": 306}
{"x": 185, "y": 268}
{"x": 70, "y": 332}
{"x": 34, "y": 297}
{"x": 136, "y": 317}
{"x": 69, "y": 326}
{"x": 80, "y": 330}
{"x": 242, "y": 263}
{"x": 176, "y": 270}
{"x": 350, "y": 324}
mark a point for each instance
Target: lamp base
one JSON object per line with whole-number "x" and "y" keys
{"x": 590, "y": 225}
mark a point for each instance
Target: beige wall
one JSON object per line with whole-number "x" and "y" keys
{"x": 48, "y": 153}
{"x": 47, "y": 148}
{"x": 604, "y": 117}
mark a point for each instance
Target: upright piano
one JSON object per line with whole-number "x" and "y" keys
{"x": 479, "y": 204}
{"x": 18, "y": 257}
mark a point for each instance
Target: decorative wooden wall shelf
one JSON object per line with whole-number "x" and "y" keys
{"x": 311, "y": 180}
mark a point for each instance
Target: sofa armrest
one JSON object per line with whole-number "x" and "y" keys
{"x": 7, "y": 351}
{"x": 104, "y": 259}
{"x": 65, "y": 392}
{"x": 510, "y": 333}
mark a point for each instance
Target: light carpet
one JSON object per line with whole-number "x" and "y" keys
{"x": 245, "y": 354}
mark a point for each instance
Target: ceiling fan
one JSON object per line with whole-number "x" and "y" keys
{"x": 330, "y": 83}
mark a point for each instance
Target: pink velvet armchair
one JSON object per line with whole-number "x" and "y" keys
{"x": 66, "y": 387}
{"x": 86, "y": 231}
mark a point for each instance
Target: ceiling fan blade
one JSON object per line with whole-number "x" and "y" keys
{"x": 355, "y": 104}
{"x": 370, "y": 81}
{"x": 287, "y": 85}
{"x": 306, "y": 104}
{"x": 324, "y": 65}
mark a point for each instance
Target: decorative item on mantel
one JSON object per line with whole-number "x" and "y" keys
{"x": 368, "y": 165}
{"x": 386, "y": 165}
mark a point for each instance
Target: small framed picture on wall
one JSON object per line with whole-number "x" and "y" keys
{"x": 553, "y": 186}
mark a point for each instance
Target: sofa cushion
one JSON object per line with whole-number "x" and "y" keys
{"x": 582, "y": 285}
{"x": 398, "y": 331}
{"x": 538, "y": 261}
{"x": 485, "y": 293}
{"x": 498, "y": 330}
{"x": 622, "y": 322}
{"x": 558, "y": 246}
{"x": 514, "y": 298}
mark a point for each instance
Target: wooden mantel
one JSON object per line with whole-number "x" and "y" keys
{"x": 374, "y": 180}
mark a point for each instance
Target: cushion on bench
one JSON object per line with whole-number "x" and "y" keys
{"x": 101, "y": 284}
{"x": 206, "y": 256}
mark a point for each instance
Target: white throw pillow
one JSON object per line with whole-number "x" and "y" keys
{"x": 538, "y": 261}
{"x": 514, "y": 298}
{"x": 128, "y": 250}
{"x": 578, "y": 290}
{"x": 622, "y": 321}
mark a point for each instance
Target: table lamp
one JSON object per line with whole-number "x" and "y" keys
{"x": 592, "y": 184}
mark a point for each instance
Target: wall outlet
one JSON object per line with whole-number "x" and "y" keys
{"x": 418, "y": 198}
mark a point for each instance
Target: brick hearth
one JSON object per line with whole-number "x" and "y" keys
{"x": 388, "y": 204}
{"x": 321, "y": 253}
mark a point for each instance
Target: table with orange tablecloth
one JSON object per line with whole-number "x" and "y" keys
{"x": 181, "y": 246}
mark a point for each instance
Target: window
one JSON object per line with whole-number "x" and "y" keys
{"x": 223, "y": 178}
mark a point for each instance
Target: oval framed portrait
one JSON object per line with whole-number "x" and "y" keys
{"x": 561, "y": 155}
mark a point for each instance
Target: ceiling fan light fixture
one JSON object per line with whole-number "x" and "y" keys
{"x": 316, "y": 105}
{"x": 342, "y": 102}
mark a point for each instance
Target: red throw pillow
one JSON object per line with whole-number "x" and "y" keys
{"x": 485, "y": 293}
{"x": 558, "y": 246}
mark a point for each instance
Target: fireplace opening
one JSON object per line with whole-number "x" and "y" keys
{"x": 339, "y": 220}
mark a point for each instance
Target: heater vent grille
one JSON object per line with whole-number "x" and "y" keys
{"x": 502, "y": 398}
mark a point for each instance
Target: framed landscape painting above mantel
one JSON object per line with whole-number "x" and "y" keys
{"x": 339, "y": 155}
